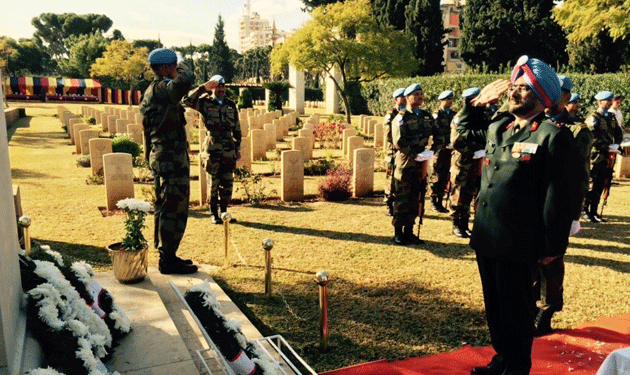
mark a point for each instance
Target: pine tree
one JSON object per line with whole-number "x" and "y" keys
{"x": 221, "y": 59}
{"x": 424, "y": 21}
{"x": 390, "y": 12}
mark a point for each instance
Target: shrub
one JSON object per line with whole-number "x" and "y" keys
{"x": 95, "y": 180}
{"x": 84, "y": 161}
{"x": 336, "y": 186}
{"x": 318, "y": 167}
{"x": 245, "y": 100}
{"x": 329, "y": 134}
{"x": 126, "y": 145}
{"x": 252, "y": 184}
{"x": 89, "y": 120}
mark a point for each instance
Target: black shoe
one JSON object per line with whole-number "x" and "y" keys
{"x": 186, "y": 261}
{"x": 591, "y": 217}
{"x": 599, "y": 218}
{"x": 175, "y": 267}
{"x": 216, "y": 219}
{"x": 493, "y": 368}
{"x": 543, "y": 322}
{"x": 457, "y": 231}
{"x": 390, "y": 210}
{"x": 399, "y": 237}
{"x": 412, "y": 238}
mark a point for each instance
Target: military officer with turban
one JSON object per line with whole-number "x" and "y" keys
{"x": 442, "y": 160}
{"x": 527, "y": 183}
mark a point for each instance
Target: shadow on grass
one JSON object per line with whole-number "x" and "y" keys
{"x": 95, "y": 256}
{"x": 17, "y": 173}
{"x": 40, "y": 140}
{"x": 614, "y": 265}
{"x": 392, "y": 321}
{"x": 22, "y": 122}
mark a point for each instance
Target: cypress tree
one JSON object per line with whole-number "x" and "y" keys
{"x": 424, "y": 21}
{"x": 221, "y": 59}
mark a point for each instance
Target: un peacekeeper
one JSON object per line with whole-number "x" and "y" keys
{"x": 527, "y": 184}
{"x": 411, "y": 130}
{"x": 607, "y": 136}
{"x": 442, "y": 161}
{"x": 464, "y": 170}
{"x": 399, "y": 103}
{"x": 166, "y": 149}
{"x": 548, "y": 283}
{"x": 222, "y": 145}
{"x": 573, "y": 107}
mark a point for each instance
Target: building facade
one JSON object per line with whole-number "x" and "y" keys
{"x": 451, "y": 12}
{"x": 255, "y": 31}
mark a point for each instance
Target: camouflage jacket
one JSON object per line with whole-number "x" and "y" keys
{"x": 443, "y": 118}
{"x": 387, "y": 128}
{"x": 410, "y": 136}
{"x": 223, "y": 130}
{"x": 605, "y": 132}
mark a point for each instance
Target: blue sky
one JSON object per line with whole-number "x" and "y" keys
{"x": 177, "y": 22}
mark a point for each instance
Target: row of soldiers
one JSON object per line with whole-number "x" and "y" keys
{"x": 456, "y": 163}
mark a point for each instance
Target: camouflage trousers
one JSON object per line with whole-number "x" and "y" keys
{"x": 172, "y": 194}
{"x": 389, "y": 179}
{"x": 600, "y": 173}
{"x": 465, "y": 181}
{"x": 220, "y": 173}
{"x": 439, "y": 177}
{"x": 410, "y": 192}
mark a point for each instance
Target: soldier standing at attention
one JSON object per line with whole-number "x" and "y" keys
{"x": 166, "y": 149}
{"x": 411, "y": 130}
{"x": 527, "y": 184}
{"x": 607, "y": 136}
{"x": 442, "y": 162}
{"x": 222, "y": 145}
{"x": 572, "y": 107}
{"x": 464, "y": 170}
{"x": 399, "y": 103}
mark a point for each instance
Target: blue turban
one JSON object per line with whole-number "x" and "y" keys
{"x": 604, "y": 95}
{"x": 398, "y": 93}
{"x": 540, "y": 77}
{"x": 162, "y": 56}
{"x": 412, "y": 88}
{"x": 565, "y": 83}
{"x": 471, "y": 92}
{"x": 574, "y": 97}
{"x": 448, "y": 94}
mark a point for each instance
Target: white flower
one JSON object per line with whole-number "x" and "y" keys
{"x": 78, "y": 328}
{"x": 44, "y": 371}
{"x": 58, "y": 258}
{"x": 134, "y": 204}
{"x": 122, "y": 323}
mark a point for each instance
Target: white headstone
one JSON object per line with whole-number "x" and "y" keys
{"x": 292, "y": 176}
{"x": 259, "y": 144}
{"x": 98, "y": 148}
{"x": 118, "y": 170}
{"x": 84, "y": 138}
{"x": 363, "y": 172}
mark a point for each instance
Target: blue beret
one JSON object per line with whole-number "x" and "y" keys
{"x": 398, "y": 93}
{"x": 574, "y": 97}
{"x": 471, "y": 92}
{"x": 540, "y": 77}
{"x": 604, "y": 95}
{"x": 448, "y": 94}
{"x": 219, "y": 79}
{"x": 565, "y": 83}
{"x": 162, "y": 56}
{"x": 412, "y": 88}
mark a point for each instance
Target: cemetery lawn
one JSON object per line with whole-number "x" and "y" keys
{"x": 385, "y": 301}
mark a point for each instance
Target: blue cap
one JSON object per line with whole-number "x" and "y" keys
{"x": 219, "y": 79}
{"x": 412, "y": 88}
{"x": 540, "y": 77}
{"x": 574, "y": 97}
{"x": 448, "y": 94}
{"x": 162, "y": 56}
{"x": 604, "y": 95}
{"x": 565, "y": 83}
{"x": 471, "y": 92}
{"x": 398, "y": 93}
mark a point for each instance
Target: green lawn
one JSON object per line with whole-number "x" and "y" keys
{"x": 385, "y": 301}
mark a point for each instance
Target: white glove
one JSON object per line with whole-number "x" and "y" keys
{"x": 575, "y": 227}
{"x": 425, "y": 155}
{"x": 180, "y": 58}
{"x": 449, "y": 146}
{"x": 613, "y": 147}
{"x": 479, "y": 154}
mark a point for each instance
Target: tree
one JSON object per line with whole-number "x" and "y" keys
{"x": 117, "y": 35}
{"x": 390, "y": 12}
{"x": 151, "y": 44}
{"x": 23, "y": 57}
{"x": 123, "y": 62}
{"x": 312, "y": 4}
{"x": 346, "y": 38}
{"x": 598, "y": 54}
{"x": 424, "y": 22}
{"x": 277, "y": 88}
{"x": 220, "y": 60}
{"x": 587, "y": 18}
{"x": 83, "y": 52}
{"x": 494, "y": 32}
{"x": 54, "y": 29}
{"x": 254, "y": 64}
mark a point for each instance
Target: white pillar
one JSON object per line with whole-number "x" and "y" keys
{"x": 267, "y": 96}
{"x": 296, "y": 92}
{"x": 332, "y": 95}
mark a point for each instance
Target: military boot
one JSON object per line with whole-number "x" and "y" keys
{"x": 399, "y": 237}
{"x": 458, "y": 230}
{"x": 169, "y": 265}
{"x": 390, "y": 209}
{"x": 591, "y": 214}
{"x": 216, "y": 219}
{"x": 436, "y": 205}
{"x": 464, "y": 222}
{"x": 543, "y": 322}
{"x": 410, "y": 237}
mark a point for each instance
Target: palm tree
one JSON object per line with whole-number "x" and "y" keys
{"x": 276, "y": 88}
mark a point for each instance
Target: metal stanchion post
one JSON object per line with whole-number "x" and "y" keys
{"x": 24, "y": 222}
{"x": 321, "y": 278}
{"x": 267, "y": 246}
{"x": 226, "y": 217}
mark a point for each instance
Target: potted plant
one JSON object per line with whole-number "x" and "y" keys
{"x": 129, "y": 257}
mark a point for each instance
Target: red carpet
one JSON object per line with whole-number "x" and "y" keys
{"x": 577, "y": 351}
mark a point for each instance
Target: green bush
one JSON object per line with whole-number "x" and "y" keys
{"x": 84, "y": 161}
{"x": 318, "y": 167}
{"x": 126, "y": 145}
{"x": 313, "y": 94}
{"x": 89, "y": 120}
{"x": 245, "y": 100}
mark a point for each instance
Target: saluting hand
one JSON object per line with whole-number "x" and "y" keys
{"x": 210, "y": 85}
{"x": 491, "y": 92}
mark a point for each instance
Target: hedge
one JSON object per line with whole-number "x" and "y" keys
{"x": 378, "y": 94}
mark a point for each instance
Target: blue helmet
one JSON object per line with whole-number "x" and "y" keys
{"x": 162, "y": 56}
{"x": 219, "y": 79}
{"x": 398, "y": 93}
{"x": 604, "y": 95}
{"x": 448, "y": 94}
{"x": 471, "y": 92}
{"x": 574, "y": 98}
{"x": 565, "y": 83}
{"x": 412, "y": 88}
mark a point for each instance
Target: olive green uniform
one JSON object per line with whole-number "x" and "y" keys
{"x": 221, "y": 144}
{"x": 166, "y": 149}
{"x": 410, "y": 136}
{"x": 390, "y": 153}
{"x": 442, "y": 159}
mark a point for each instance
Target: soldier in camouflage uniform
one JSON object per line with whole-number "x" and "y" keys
{"x": 573, "y": 108}
{"x": 222, "y": 145}
{"x": 166, "y": 149}
{"x": 442, "y": 160}
{"x": 465, "y": 173}
{"x": 607, "y": 136}
{"x": 399, "y": 103}
{"x": 411, "y": 130}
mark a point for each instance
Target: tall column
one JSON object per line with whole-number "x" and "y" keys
{"x": 296, "y": 92}
{"x": 332, "y": 95}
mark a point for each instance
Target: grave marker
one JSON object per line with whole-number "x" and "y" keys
{"x": 292, "y": 176}
{"x": 118, "y": 171}
{"x": 84, "y": 138}
{"x": 363, "y": 172}
{"x": 76, "y": 128}
{"x": 354, "y": 143}
{"x": 259, "y": 144}
{"x": 98, "y": 148}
